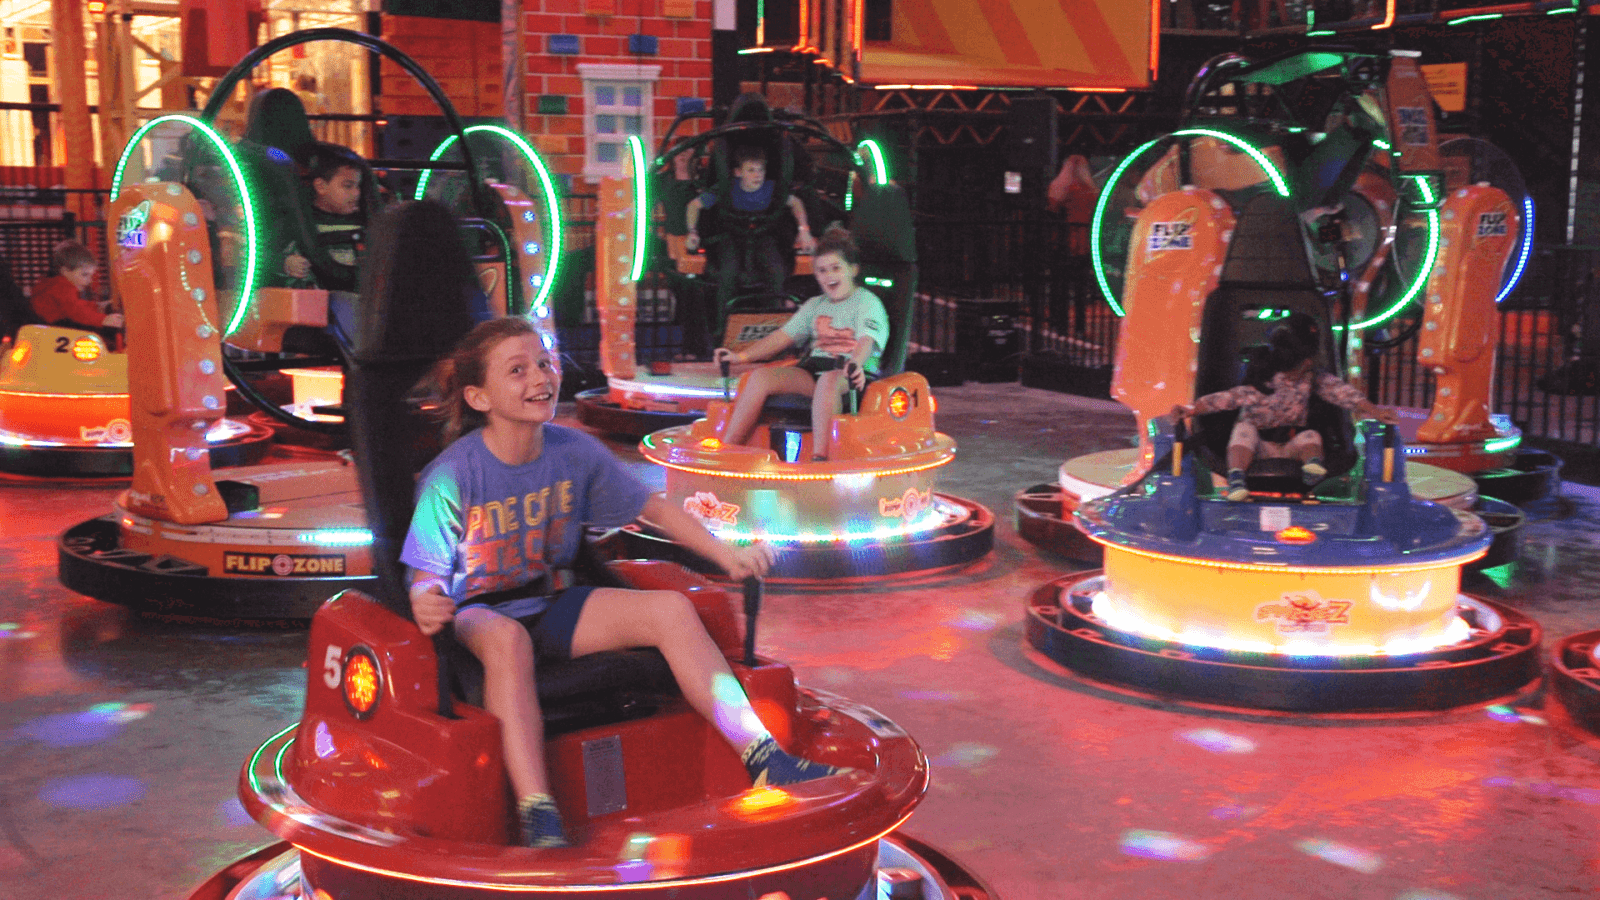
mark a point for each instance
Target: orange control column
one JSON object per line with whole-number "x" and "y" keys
{"x": 161, "y": 264}
{"x": 1174, "y": 261}
{"x": 1478, "y": 230}
{"x": 1411, "y": 116}
{"x": 615, "y": 293}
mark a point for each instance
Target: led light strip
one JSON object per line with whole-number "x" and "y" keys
{"x": 1527, "y": 246}
{"x": 248, "y": 284}
{"x": 1451, "y": 562}
{"x": 880, "y": 166}
{"x": 1423, "y": 271}
{"x": 783, "y": 476}
{"x": 1096, "y": 225}
{"x": 641, "y": 206}
{"x": 553, "y": 226}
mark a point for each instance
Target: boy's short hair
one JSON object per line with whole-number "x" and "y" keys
{"x": 749, "y": 153}
{"x": 72, "y": 255}
{"x": 324, "y": 160}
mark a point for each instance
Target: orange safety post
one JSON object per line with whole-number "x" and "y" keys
{"x": 1478, "y": 231}
{"x": 161, "y": 263}
{"x": 615, "y": 293}
{"x": 1174, "y": 264}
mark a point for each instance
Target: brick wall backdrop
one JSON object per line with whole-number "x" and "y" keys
{"x": 464, "y": 57}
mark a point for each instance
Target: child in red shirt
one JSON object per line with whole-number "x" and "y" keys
{"x": 59, "y": 300}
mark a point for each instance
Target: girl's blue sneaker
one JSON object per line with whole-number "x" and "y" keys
{"x": 541, "y": 822}
{"x": 770, "y": 766}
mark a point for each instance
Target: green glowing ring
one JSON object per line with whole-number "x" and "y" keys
{"x": 1096, "y": 224}
{"x": 880, "y": 166}
{"x": 553, "y": 227}
{"x": 1426, "y": 269}
{"x": 641, "y": 206}
{"x": 248, "y": 284}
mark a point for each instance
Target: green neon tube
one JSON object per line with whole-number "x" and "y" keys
{"x": 553, "y": 227}
{"x": 641, "y": 207}
{"x": 880, "y": 167}
{"x": 1421, "y": 279}
{"x": 247, "y": 285}
{"x": 1096, "y": 226}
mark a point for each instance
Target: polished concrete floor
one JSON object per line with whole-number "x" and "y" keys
{"x": 121, "y": 740}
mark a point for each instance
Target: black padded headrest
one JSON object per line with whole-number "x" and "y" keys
{"x": 1268, "y": 248}
{"x": 416, "y": 303}
{"x": 277, "y": 118}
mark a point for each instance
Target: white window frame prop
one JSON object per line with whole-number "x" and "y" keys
{"x": 617, "y": 76}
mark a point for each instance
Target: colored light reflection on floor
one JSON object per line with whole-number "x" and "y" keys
{"x": 1364, "y": 861}
{"x": 14, "y": 631}
{"x": 1590, "y": 796}
{"x": 91, "y": 791}
{"x": 972, "y": 620}
{"x": 966, "y": 755}
{"x": 1218, "y": 741}
{"x": 1508, "y": 714}
{"x": 935, "y": 696}
{"x": 1163, "y": 845}
{"x": 232, "y": 813}
{"x": 80, "y": 729}
{"x": 1425, "y": 894}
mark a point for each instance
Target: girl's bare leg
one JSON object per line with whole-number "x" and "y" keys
{"x": 506, "y": 651}
{"x": 762, "y": 384}
{"x": 617, "y": 619}
{"x": 1242, "y": 443}
{"x": 824, "y": 406}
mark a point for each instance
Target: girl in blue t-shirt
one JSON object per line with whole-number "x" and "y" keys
{"x": 844, "y": 320}
{"x": 499, "y": 514}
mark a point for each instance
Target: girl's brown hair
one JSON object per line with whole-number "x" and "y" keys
{"x": 837, "y": 240}
{"x": 466, "y": 366}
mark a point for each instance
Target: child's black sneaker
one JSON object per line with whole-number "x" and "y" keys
{"x": 770, "y": 766}
{"x": 1236, "y": 489}
{"x": 541, "y": 822}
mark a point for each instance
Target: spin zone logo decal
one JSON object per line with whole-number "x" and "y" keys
{"x": 116, "y": 431}
{"x": 708, "y": 509}
{"x": 1170, "y": 236}
{"x": 282, "y": 565}
{"x": 1305, "y": 612}
{"x": 906, "y": 506}
{"x": 1492, "y": 224}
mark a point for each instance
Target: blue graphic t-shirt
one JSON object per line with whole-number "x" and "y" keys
{"x": 487, "y": 526}
{"x": 742, "y": 200}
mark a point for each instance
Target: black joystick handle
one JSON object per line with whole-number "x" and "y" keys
{"x": 849, "y": 366}
{"x": 727, "y": 368}
{"x": 444, "y": 643}
{"x": 752, "y": 609}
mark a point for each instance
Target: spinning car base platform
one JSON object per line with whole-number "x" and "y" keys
{"x": 1575, "y": 675}
{"x": 64, "y": 410}
{"x": 869, "y": 510}
{"x": 1044, "y": 512}
{"x": 1331, "y": 607}
{"x": 656, "y": 801}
